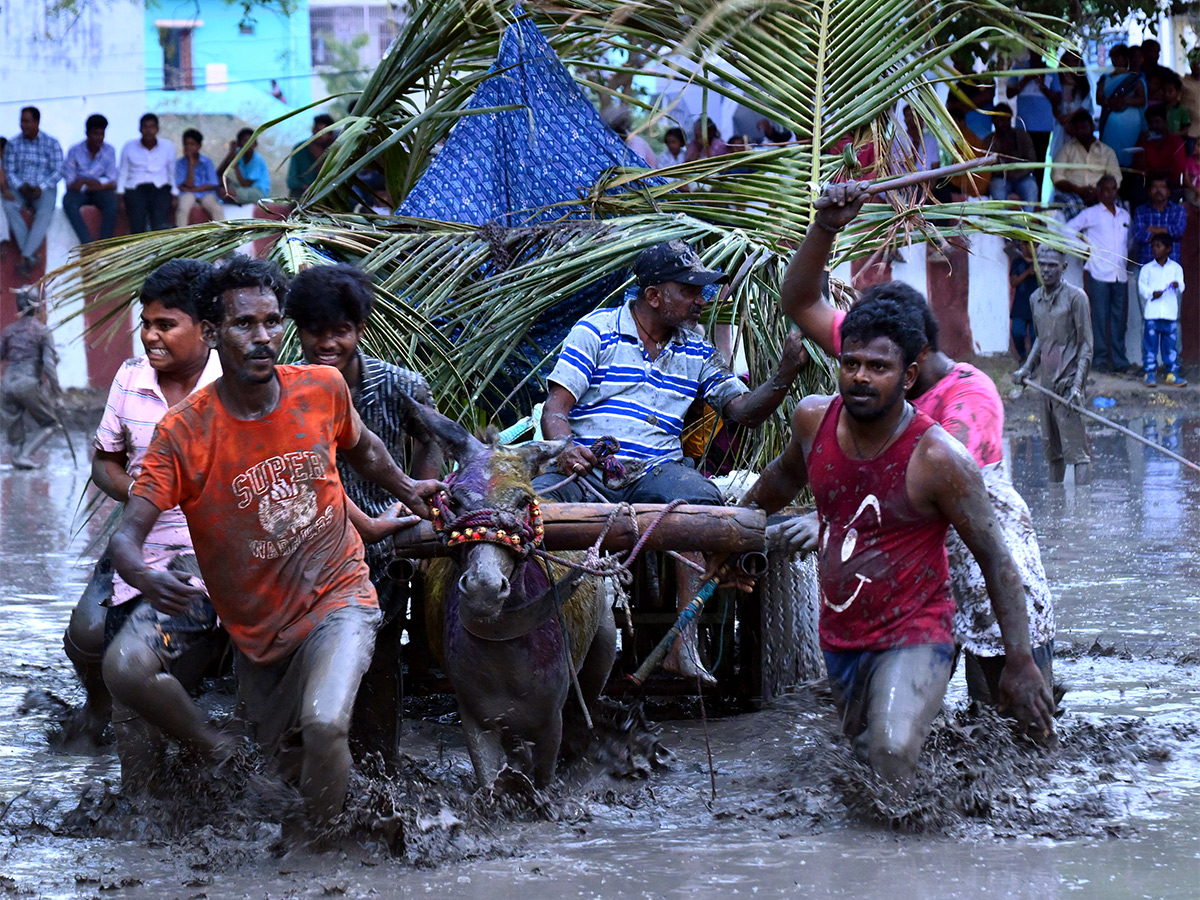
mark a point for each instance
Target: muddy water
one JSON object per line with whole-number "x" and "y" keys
{"x": 1119, "y": 553}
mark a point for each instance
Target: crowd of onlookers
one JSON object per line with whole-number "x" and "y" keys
{"x": 1145, "y": 119}
{"x": 1122, "y": 166}
{"x": 157, "y": 188}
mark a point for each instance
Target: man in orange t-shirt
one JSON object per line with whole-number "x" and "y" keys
{"x": 251, "y": 460}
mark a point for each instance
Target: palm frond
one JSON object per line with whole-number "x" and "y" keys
{"x": 458, "y": 303}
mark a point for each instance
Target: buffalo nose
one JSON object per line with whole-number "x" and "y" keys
{"x": 473, "y": 585}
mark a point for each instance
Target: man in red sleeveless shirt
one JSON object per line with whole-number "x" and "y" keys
{"x": 888, "y": 483}
{"x": 965, "y": 402}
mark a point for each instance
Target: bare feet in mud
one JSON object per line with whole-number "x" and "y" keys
{"x": 83, "y": 730}
{"x": 683, "y": 660}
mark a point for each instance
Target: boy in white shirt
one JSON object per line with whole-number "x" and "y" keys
{"x": 1159, "y": 285}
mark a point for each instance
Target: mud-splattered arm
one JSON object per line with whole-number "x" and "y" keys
{"x": 166, "y": 591}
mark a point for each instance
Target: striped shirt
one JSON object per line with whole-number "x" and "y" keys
{"x": 81, "y": 164}
{"x": 1173, "y": 218}
{"x": 135, "y": 405}
{"x": 37, "y": 163}
{"x": 620, "y": 392}
{"x": 379, "y": 407}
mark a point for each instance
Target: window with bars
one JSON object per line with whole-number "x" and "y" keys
{"x": 345, "y": 23}
{"x": 177, "y": 58}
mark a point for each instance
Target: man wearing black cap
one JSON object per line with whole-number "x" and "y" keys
{"x": 631, "y": 373}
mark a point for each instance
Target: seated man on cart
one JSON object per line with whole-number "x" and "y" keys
{"x": 630, "y": 373}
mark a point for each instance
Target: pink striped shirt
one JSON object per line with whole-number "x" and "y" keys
{"x": 135, "y": 404}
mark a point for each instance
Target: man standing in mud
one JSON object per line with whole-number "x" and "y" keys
{"x": 30, "y": 381}
{"x": 251, "y": 461}
{"x": 965, "y": 402}
{"x": 1063, "y": 352}
{"x": 888, "y": 482}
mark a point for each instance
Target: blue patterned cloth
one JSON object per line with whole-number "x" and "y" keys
{"x": 508, "y": 167}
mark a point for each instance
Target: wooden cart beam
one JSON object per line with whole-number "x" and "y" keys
{"x": 576, "y": 526}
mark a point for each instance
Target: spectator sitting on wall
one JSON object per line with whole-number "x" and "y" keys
{"x": 90, "y": 173}
{"x": 32, "y": 166}
{"x": 983, "y": 104}
{"x": 146, "y": 178}
{"x": 1179, "y": 120}
{"x": 620, "y": 120}
{"x": 1191, "y": 96}
{"x": 1191, "y": 177}
{"x": 196, "y": 177}
{"x": 250, "y": 180}
{"x": 1156, "y": 75}
{"x": 676, "y": 148}
{"x": 969, "y": 184}
{"x": 306, "y": 160}
{"x": 1161, "y": 151}
{"x": 706, "y": 141}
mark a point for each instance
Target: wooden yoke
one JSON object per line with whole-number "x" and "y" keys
{"x": 577, "y": 526}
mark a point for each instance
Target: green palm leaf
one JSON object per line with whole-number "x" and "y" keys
{"x": 824, "y": 70}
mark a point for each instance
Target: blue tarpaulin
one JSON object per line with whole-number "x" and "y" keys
{"x": 508, "y": 167}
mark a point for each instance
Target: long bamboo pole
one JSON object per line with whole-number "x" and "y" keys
{"x": 892, "y": 184}
{"x": 1113, "y": 425}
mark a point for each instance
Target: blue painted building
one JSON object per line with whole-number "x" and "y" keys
{"x": 209, "y": 57}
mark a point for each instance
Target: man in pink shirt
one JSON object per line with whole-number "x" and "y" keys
{"x": 150, "y": 660}
{"x": 965, "y": 402}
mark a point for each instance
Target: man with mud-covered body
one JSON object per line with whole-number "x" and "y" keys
{"x": 1063, "y": 353}
{"x": 29, "y": 384}
{"x": 888, "y": 482}
{"x": 965, "y": 402}
{"x": 251, "y": 461}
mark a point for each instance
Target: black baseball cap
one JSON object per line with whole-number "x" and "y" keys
{"x": 674, "y": 261}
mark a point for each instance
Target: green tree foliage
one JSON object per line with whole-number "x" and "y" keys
{"x": 824, "y": 69}
{"x": 343, "y": 72}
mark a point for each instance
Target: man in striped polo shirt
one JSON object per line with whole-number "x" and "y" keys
{"x": 631, "y": 373}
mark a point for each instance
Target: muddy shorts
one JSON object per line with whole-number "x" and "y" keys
{"x": 983, "y": 673}
{"x": 186, "y": 645}
{"x": 1063, "y": 434}
{"x": 316, "y": 684}
{"x": 172, "y": 638}
{"x": 23, "y": 394}
{"x": 851, "y": 674}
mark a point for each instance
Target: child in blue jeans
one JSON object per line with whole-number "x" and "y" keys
{"x": 1159, "y": 285}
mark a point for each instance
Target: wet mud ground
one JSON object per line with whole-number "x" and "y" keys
{"x": 1115, "y": 813}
